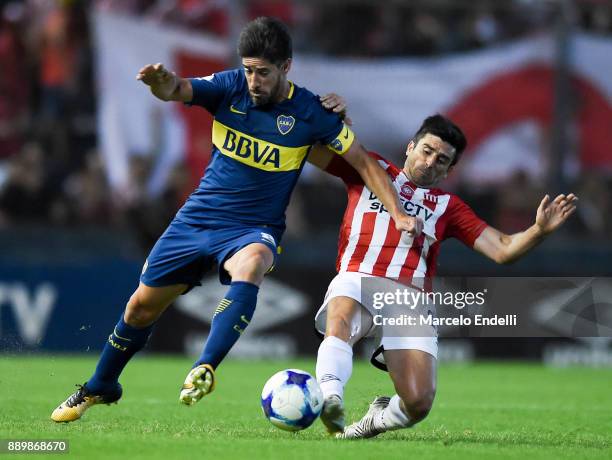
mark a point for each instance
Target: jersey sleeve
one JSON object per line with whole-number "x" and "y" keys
{"x": 341, "y": 168}
{"x": 463, "y": 223}
{"x": 208, "y": 92}
{"x": 331, "y": 131}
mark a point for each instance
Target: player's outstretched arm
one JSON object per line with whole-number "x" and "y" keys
{"x": 370, "y": 171}
{"x": 550, "y": 216}
{"x": 378, "y": 182}
{"x": 164, "y": 84}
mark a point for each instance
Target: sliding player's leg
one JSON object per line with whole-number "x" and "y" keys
{"x": 413, "y": 373}
{"x": 347, "y": 321}
{"x": 414, "y": 377}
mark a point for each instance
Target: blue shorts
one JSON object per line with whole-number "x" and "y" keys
{"x": 185, "y": 252}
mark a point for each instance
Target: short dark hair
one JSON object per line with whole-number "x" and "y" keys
{"x": 446, "y": 130}
{"x": 266, "y": 38}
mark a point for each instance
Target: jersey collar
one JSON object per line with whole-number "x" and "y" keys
{"x": 402, "y": 179}
{"x": 291, "y": 89}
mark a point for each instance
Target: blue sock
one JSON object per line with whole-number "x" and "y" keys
{"x": 121, "y": 345}
{"x": 229, "y": 322}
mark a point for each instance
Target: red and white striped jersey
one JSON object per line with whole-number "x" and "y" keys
{"x": 369, "y": 242}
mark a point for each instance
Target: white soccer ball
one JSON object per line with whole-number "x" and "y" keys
{"x": 292, "y": 399}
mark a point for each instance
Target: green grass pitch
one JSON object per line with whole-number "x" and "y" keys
{"x": 482, "y": 411}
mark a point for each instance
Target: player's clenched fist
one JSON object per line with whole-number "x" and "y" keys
{"x": 413, "y": 226}
{"x": 163, "y": 83}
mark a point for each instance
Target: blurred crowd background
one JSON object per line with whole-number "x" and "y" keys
{"x": 51, "y": 173}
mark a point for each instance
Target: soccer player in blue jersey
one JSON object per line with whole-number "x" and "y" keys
{"x": 264, "y": 126}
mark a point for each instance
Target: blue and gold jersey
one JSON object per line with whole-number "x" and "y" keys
{"x": 258, "y": 151}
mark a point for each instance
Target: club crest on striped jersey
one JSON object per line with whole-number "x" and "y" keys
{"x": 285, "y": 123}
{"x": 406, "y": 191}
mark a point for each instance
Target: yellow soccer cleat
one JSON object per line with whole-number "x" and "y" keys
{"x": 77, "y": 403}
{"x": 199, "y": 382}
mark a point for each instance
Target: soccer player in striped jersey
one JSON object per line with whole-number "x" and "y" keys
{"x": 371, "y": 246}
{"x": 264, "y": 126}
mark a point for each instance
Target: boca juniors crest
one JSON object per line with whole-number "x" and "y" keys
{"x": 285, "y": 123}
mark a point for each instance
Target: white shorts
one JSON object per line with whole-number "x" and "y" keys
{"x": 348, "y": 284}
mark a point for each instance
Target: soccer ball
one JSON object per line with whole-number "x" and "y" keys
{"x": 292, "y": 400}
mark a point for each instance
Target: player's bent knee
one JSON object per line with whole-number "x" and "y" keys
{"x": 339, "y": 318}
{"x": 338, "y": 326}
{"x": 417, "y": 405}
{"x": 137, "y": 314}
{"x": 258, "y": 261}
{"x": 251, "y": 266}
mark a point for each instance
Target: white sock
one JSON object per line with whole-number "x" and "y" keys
{"x": 392, "y": 417}
{"x": 334, "y": 366}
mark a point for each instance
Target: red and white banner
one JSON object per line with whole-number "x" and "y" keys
{"x": 131, "y": 120}
{"x": 502, "y": 97}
